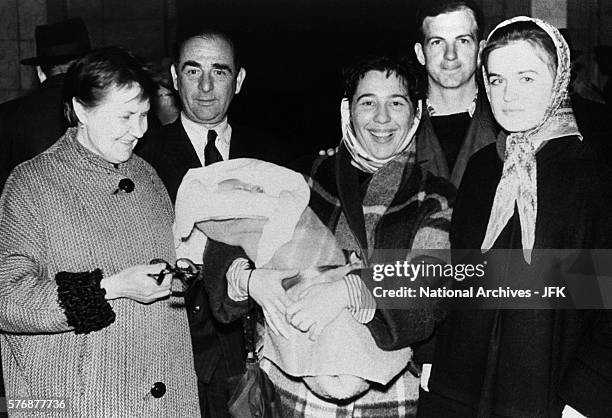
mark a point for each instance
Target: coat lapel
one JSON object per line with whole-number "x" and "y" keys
{"x": 429, "y": 152}
{"x": 481, "y": 132}
{"x": 348, "y": 193}
{"x": 179, "y": 149}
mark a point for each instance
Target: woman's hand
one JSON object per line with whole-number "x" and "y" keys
{"x": 265, "y": 287}
{"x": 317, "y": 306}
{"x": 136, "y": 284}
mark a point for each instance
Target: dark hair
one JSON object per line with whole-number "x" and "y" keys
{"x": 90, "y": 78}
{"x": 208, "y": 34}
{"x": 523, "y": 31}
{"x": 403, "y": 67}
{"x": 433, "y": 8}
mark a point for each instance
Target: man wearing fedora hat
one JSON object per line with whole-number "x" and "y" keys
{"x": 30, "y": 124}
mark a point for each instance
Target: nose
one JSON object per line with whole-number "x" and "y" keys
{"x": 382, "y": 114}
{"x": 206, "y": 83}
{"x": 510, "y": 92}
{"x": 450, "y": 52}
{"x": 138, "y": 126}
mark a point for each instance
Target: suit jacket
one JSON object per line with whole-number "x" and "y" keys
{"x": 31, "y": 124}
{"x": 215, "y": 344}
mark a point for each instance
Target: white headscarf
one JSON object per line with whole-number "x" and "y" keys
{"x": 518, "y": 183}
{"x": 361, "y": 157}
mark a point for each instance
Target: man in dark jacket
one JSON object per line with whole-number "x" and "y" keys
{"x": 457, "y": 120}
{"x": 207, "y": 75}
{"x": 30, "y": 124}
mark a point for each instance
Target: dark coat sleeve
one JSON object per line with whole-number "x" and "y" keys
{"x": 6, "y": 144}
{"x": 218, "y": 257}
{"x": 587, "y": 384}
{"x": 389, "y": 327}
{"x": 414, "y": 326}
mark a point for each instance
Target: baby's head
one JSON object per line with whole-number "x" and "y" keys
{"x": 235, "y": 184}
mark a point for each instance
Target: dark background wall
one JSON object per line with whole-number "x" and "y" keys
{"x": 293, "y": 50}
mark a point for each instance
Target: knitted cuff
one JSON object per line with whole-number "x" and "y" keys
{"x": 83, "y": 301}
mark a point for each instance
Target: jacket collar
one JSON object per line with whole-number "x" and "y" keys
{"x": 481, "y": 132}
{"x": 347, "y": 182}
{"x": 179, "y": 146}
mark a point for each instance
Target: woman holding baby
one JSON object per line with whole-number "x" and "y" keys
{"x": 372, "y": 196}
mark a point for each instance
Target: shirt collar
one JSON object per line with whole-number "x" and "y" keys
{"x": 197, "y": 130}
{"x": 431, "y": 110}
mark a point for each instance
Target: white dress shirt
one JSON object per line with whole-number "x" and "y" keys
{"x": 198, "y": 135}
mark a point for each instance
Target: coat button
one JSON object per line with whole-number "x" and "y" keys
{"x": 197, "y": 308}
{"x": 158, "y": 390}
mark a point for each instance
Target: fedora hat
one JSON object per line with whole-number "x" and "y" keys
{"x": 60, "y": 42}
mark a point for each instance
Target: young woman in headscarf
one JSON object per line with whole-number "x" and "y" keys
{"x": 372, "y": 195}
{"x": 539, "y": 187}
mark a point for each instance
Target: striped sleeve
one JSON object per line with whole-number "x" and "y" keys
{"x": 361, "y": 302}
{"x": 237, "y": 276}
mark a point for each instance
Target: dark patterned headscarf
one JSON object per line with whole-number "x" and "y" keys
{"x": 518, "y": 183}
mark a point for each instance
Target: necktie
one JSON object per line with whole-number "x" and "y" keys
{"x": 211, "y": 153}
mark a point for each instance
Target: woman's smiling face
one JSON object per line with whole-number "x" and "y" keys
{"x": 381, "y": 113}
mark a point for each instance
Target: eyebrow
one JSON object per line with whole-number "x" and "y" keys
{"x": 401, "y": 96}
{"x": 520, "y": 72}
{"x": 216, "y": 66}
{"x": 465, "y": 35}
{"x": 223, "y": 67}
{"x": 528, "y": 71}
{"x": 190, "y": 64}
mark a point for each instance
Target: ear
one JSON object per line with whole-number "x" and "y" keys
{"x": 174, "y": 77}
{"x": 481, "y": 46}
{"x": 41, "y": 74}
{"x": 418, "y": 50}
{"x": 79, "y": 110}
{"x": 240, "y": 79}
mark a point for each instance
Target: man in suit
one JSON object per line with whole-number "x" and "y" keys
{"x": 30, "y": 124}
{"x": 207, "y": 75}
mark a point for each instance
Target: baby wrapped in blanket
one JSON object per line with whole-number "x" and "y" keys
{"x": 264, "y": 209}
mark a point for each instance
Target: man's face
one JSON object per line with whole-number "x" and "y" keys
{"x": 450, "y": 49}
{"x": 206, "y": 78}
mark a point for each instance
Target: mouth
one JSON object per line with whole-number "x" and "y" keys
{"x": 205, "y": 102}
{"x": 382, "y": 136}
{"x": 128, "y": 142}
{"x": 511, "y": 111}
